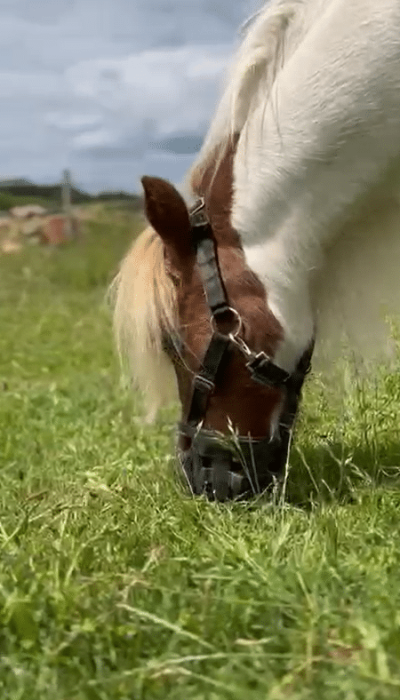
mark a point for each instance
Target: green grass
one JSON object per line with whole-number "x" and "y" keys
{"x": 114, "y": 585}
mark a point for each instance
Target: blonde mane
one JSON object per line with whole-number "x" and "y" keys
{"x": 144, "y": 300}
{"x": 144, "y": 297}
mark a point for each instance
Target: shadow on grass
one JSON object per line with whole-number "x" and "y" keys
{"x": 336, "y": 471}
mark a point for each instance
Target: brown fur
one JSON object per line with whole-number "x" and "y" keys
{"x": 237, "y": 397}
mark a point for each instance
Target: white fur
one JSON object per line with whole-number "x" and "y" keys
{"x": 315, "y": 94}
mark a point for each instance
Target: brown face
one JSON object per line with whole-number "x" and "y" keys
{"x": 237, "y": 400}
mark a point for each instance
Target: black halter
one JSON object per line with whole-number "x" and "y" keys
{"x": 225, "y": 468}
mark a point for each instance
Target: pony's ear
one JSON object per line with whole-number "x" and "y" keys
{"x": 167, "y": 213}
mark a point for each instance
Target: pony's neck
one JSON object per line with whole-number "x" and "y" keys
{"x": 288, "y": 297}
{"x": 308, "y": 160}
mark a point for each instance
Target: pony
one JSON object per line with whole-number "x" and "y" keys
{"x": 290, "y": 216}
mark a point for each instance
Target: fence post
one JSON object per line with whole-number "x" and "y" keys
{"x": 67, "y": 205}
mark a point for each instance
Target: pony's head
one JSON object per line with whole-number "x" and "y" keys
{"x": 186, "y": 301}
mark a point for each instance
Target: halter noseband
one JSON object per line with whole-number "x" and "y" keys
{"x": 213, "y": 464}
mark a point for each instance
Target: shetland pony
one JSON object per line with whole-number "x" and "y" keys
{"x": 300, "y": 178}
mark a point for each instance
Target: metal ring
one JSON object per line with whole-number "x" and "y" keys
{"x": 237, "y": 319}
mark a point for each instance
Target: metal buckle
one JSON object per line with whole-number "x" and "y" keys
{"x": 200, "y": 204}
{"x": 198, "y": 216}
{"x": 266, "y": 372}
{"x": 203, "y": 384}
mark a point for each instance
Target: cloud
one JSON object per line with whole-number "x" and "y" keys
{"x": 110, "y": 88}
{"x": 95, "y": 140}
{"x": 151, "y": 97}
{"x": 69, "y": 121}
{"x": 38, "y": 85}
{"x": 181, "y": 144}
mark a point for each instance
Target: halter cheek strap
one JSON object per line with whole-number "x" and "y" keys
{"x": 203, "y": 240}
{"x": 205, "y": 380}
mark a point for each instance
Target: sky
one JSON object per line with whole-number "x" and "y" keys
{"x": 111, "y": 89}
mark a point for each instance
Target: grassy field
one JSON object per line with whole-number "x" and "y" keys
{"x": 114, "y": 585}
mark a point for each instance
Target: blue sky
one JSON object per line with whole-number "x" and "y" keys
{"x": 112, "y": 89}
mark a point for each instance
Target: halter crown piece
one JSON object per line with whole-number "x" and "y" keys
{"x": 215, "y": 465}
